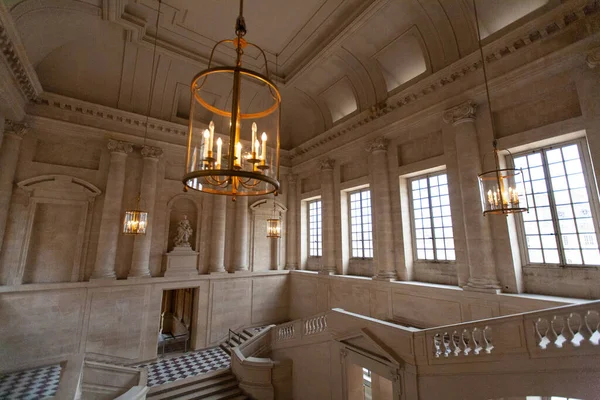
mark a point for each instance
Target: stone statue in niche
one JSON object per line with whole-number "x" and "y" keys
{"x": 184, "y": 232}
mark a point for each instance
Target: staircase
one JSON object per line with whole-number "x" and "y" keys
{"x": 237, "y": 338}
{"x": 218, "y": 385}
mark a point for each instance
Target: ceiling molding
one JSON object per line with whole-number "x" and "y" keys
{"x": 517, "y": 41}
{"x": 15, "y": 57}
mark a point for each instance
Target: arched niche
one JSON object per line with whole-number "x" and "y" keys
{"x": 266, "y": 253}
{"x": 177, "y": 207}
{"x": 57, "y": 230}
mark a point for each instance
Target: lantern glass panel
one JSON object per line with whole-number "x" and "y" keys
{"x": 135, "y": 222}
{"x": 502, "y": 191}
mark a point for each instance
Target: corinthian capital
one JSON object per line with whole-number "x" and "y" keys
{"x": 151, "y": 152}
{"x": 117, "y": 146}
{"x": 464, "y": 112}
{"x": 379, "y": 144}
{"x": 326, "y": 164}
{"x": 593, "y": 58}
{"x": 292, "y": 179}
{"x": 18, "y": 129}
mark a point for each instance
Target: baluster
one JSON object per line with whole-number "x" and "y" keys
{"x": 466, "y": 342}
{"x": 487, "y": 338}
{"x": 574, "y": 324}
{"x": 446, "y": 341}
{"x": 437, "y": 344}
{"x": 558, "y": 321}
{"x": 542, "y": 328}
{"x": 456, "y": 343}
{"x": 592, "y": 323}
{"x": 477, "y": 341}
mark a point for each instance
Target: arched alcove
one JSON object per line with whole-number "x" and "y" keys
{"x": 177, "y": 207}
{"x": 266, "y": 253}
{"x": 56, "y": 234}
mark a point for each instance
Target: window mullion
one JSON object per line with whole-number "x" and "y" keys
{"x": 362, "y": 226}
{"x": 431, "y": 219}
{"x": 553, "y": 211}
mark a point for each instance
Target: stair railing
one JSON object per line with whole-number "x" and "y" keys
{"x": 239, "y": 338}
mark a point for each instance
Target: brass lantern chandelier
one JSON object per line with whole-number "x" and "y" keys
{"x": 502, "y": 189}
{"x": 274, "y": 224}
{"x": 233, "y": 137}
{"x": 135, "y": 221}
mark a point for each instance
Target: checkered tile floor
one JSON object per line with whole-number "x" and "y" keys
{"x": 191, "y": 364}
{"x": 32, "y": 384}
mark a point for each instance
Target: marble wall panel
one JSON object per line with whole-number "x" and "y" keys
{"x": 422, "y": 148}
{"x": 116, "y": 321}
{"x": 40, "y": 326}
{"x": 425, "y": 311}
{"x": 270, "y": 299}
{"x": 231, "y": 307}
{"x": 70, "y": 154}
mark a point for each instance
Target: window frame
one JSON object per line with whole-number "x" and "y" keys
{"x": 413, "y": 228}
{"x": 349, "y": 195}
{"x": 593, "y": 198}
{"x": 320, "y": 227}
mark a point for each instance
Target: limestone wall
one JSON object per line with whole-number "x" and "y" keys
{"x": 119, "y": 322}
{"x": 409, "y": 303}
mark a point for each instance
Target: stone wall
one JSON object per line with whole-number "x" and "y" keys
{"x": 119, "y": 321}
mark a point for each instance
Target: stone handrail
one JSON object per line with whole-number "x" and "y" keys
{"x": 549, "y": 332}
{"x": 300, "y": 328}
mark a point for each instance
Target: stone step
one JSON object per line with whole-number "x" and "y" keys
{"x": 231, "y": 394}
{"x": 223, "y": 391}
{"x": 205, "y": 386}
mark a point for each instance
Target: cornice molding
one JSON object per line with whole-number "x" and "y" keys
{"x": 517, "y": 41}
{"x": 15, "y": 57}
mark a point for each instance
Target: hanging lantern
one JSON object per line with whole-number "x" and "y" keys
{"x": 135, "y": 221}
{"x": 274, "y": 223}
{"x": 233, "y": 138}
{"x": 274, "y": 228}
{"x": 502, "y": 189}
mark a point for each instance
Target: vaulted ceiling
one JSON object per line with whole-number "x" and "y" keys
{"x": 333, "y": 58}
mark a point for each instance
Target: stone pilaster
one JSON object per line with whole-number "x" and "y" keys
{"x": 292, "y": 225}
{"x": 216, "y": 260}
{"x": 588, "y": 84}
{"x": 482, "y": 268}
{"x": 239, "y": 261}
{"x": 274, "y": 253}
{"x": 110, "y": 223}
{"x": 328, "y": 210}
{"x": 140, "y": 259}
{"x": 382, "y": 209}
{"x": 9, "y": 157}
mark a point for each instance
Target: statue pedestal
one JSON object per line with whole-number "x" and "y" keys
{"x": 182, "y": 261}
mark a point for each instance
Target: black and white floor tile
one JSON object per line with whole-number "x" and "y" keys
{"x": 39, "y": 383}
{"x": 185, "y": 366}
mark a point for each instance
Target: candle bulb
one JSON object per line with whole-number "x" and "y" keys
{"x": 490, "y": 197}
{"x": 263, "y": 155}
{"x": 219, "y": 146}
{"x": 206, "y": 137}
{"x": 238, "y": 154}
{"x": 211, "y": 127}
{"x": 193, "y": 165}
{"x": 254, "y": 148}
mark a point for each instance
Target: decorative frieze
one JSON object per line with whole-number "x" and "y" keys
{"x": 151, "y": 152}
{"x": 465, "y": 112}
{"x": 117, "y": 146}
{"x": 18, "y": 129}
{"x": 23, "y": 78}
{"x": 379, "y": 144}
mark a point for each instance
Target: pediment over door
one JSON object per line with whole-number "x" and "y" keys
{"x": 367, "y": 344}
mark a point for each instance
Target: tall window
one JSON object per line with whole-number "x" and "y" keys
{"x": 315, "y": 236}
{"x": 559, "y": 227}
{"x": 361, "y": 227}
{"x": 433, "y": 236}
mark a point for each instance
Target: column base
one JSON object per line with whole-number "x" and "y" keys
{"x": 385, "y": 276}
{"x": 327, "y": 271}
{"x": 483, "y": 286}
{"x": 218, "y": 272}
{"x": 134, "y": 277}
{"x": 103, "y": 278}
{"x": 291, "y": 267}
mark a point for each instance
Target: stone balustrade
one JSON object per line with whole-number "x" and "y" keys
{"x": 573, "y": 329}
{"x": 315, "y": 325}
{"x": 467, "y": 342}
{"x": 285, "y": 332}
